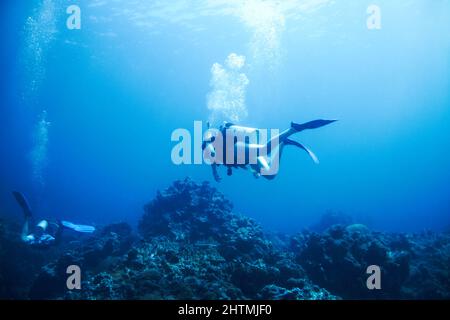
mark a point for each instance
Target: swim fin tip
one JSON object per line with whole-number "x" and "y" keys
{"x": 311, "y": 124}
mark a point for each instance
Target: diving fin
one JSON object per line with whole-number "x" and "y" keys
{"x": 23, "y": 203}
{"x": 311, "y": 125}
{"x": 301, "y": 146}
{"x": 78, "y": 227}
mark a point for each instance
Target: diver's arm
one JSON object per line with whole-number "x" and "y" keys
{"x": 215, "y": 173}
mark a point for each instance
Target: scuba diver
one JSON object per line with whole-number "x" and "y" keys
{"x": 45, "y": 233}
{"x": 240, "y": 147}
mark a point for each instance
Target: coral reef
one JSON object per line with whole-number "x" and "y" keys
{"x": 338, "y": 258}
{"x": 190, "y": 245}
{"x": 19, "y": 264}
{"x": 331, "y": 218}
{"x": 414, "y": 266}
{"x": 194, "y": 247}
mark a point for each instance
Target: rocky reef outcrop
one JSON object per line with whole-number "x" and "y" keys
{"x": 413, "y": 266}
{"x": 338, "y": 259}
{"x": 191, "y": 245}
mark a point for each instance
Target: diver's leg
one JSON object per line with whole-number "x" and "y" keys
{"x": 279, "y": 140}
{"x": 58, "y": 232}
{"x": 311, "y": 124}
{"x": 296, "y": 127}
{"x": 269, "y": 156}
{"x": 25, "y": 228}
{"x": 23, "y": 203}
{"x": 301, "y": 146}
{"x": 269, "y": 164}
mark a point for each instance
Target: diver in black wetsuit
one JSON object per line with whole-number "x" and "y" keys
{"x": 45, "y": 233}
{"x": 265, "y": 156}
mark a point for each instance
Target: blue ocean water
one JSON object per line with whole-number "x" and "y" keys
{"x": 87, "y": 115}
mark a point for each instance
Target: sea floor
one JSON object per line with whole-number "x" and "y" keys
{"x": 190, "y": 245}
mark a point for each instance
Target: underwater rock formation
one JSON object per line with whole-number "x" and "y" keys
{"x": 191, "y": 245}
{"x": 338, "y": 259}
{"x": 93, "y": 255}
{"x": 19, "y": 264}
{"x": 413, "y": 266}
{"x": 199, "y": 214}
{"x": 331, "y": 218}
{"x": 194, "y": 247}
{"x": 273, "y": 292}
{"x": 430, "y": 264}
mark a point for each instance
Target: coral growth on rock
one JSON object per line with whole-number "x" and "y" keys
{"x": 338, "y": 259}
{"x": 190, "y": 245}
